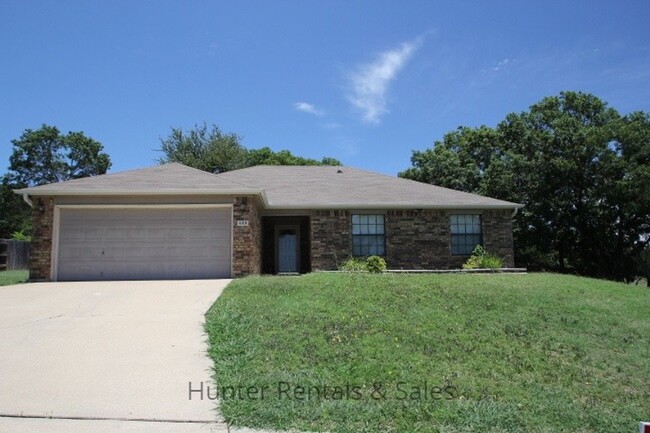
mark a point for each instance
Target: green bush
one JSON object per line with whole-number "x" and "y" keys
{"x": 474, "y": 262}
{"x": 491, "y": 262}
{"x": 20, "y": 236}
{"x": 376, "y": 264}
{"x": 354, "y": 264}
{"x": 480, "y": 259}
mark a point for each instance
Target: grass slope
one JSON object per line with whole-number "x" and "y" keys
{"x": 8, "y": 278}
{"x": 534, "y": 353}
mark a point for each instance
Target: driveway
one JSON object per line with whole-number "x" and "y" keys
{"x": 105, "y": 356}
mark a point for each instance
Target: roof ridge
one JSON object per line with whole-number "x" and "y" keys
{"x": 166, "y": 177}
{"x": 184, "y": 166}
{"x": 130, "y": 170}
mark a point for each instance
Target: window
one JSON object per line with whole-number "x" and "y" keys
{"x": 368, "y": 237}
{"x": 465, "y": 233}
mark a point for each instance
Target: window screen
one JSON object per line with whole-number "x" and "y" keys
{"x": 465, "y": 233}
{"x": 368, "y": 236}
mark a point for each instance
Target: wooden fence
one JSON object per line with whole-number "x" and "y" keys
{"x": 13, "y": 254}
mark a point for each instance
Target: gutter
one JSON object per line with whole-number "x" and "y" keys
{"x": 168, "y": 192}
{"x": 105, "y": 192}
{"x": 28, "y": 200}
{"x": 377, "y": 206}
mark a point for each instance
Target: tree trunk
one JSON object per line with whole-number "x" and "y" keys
{"x": 560, "y": 256}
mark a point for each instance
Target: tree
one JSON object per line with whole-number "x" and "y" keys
{"x": 14, "y": 212}
{"x": 633, "y": 187}
{"x": 328, "y": 160}
{"x": 579, "y": 168}
{"x": 211, "y": 150}
{"x": 458, "y": 161}
{"x": 45, "y": 156}
{"x": 643, "y": 262}
{"x": 206, "y": 149}
{"x": 266, "y": 156}
{"x": 566, "y": 142}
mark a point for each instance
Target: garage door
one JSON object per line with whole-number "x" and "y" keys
{"x": 143, "y": 243}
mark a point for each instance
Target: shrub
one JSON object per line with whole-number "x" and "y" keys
{"x": 20, "y": 236}
{"x": 491, "y": 262}
{"x": 354, "y": 264}
{"x": 376, "y": 264}
{"x": 480, "y": 259}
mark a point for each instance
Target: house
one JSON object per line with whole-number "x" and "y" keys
{"x": 175, "y": 222}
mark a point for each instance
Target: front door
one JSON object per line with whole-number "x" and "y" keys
{"x": 288, "y": 255}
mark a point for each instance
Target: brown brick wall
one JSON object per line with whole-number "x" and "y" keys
{"x": 419, "y": 239}
{"x": 415, "y": 239}
{"x": 247, "y": 241}
{"x": 331, "y": 238}
{"x": 497, "y": 235}
{"x": 40, "y": 256}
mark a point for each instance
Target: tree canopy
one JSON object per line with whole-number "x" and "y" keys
{"x": 44, "y": 156}
{"x": 14, "y": 212}
{"x": 580, "y": 168}
{"x": 211, "y": 150}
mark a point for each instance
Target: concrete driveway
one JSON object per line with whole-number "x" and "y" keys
{"x": 105, "y": 356}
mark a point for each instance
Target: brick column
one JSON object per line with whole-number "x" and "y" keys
{"x": 247, "y": 240}
{"x": 40, "y": 256}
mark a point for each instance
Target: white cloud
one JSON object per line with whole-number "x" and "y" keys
{"x": 501, "y": 65}
{"x": 369, "y": 83}
{"x": 306, "y": 107}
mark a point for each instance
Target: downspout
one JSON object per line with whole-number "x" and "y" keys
{"x": 514, "y": 212}
{"x": 28, "y": 200}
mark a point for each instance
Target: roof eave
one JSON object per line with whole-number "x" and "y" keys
{"x": 340, "y": 206}
{"x": 80, "y": 193}
{"x": 313, "y": 206}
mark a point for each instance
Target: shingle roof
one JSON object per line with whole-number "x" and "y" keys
{"x": 281, "y": 187}
{"x": 163, "y": 179}
{"x": 345, "y": 187}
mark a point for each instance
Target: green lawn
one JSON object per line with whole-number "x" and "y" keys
{"x": 13, "y": 277}
{"x": 497, "y": 353}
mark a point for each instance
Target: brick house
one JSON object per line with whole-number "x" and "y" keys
{"x": 175, "y": 222}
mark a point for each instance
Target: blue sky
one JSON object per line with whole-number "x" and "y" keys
{"x": 365, "y": 82}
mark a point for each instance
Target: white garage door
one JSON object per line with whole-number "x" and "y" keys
{"x": 143, "y": 243}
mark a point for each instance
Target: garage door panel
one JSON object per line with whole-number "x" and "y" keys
{"x": 179, "y": 243}
{"x": 79, "y": 255}
{"x": 179, "y": 234}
